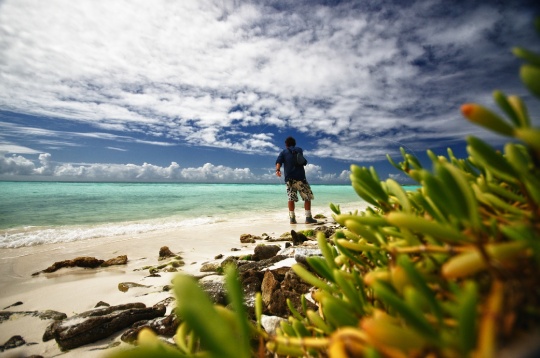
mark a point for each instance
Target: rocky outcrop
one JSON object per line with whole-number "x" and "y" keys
{"x": 99, "y": 323}
{"x": 85, "y": 262}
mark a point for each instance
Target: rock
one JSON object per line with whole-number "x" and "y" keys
{"x": 263, "y": 252}
{"x": 229, "y": 260}
{"x": 298, "y": 237}
{"x": 278, "y": 305}
{"x": 260, "y": 265}
{"x": 125, "y": 286}
{"x": 292, "y": 282}
{"x": 269, "y": 284}
{"x": 120, "y": 260}
{"x": 210, "y": 267}
{"x": 86, "y": 262}
{"x": 102, "y": 304}
{"x": 100, "y": 323}
{"x": 165, "y": 252}
{"x": 271, "y": 323}
{"x": 328, "y": 231}
{"x": 18, "y": 303}
{"x": 13, "y": 342}
{"x": 218, "y": 257}
{"x": 249, "y": 239}
{"x": 163, "y": 326}
{"x": 47, "y": 314}
{"x": 214, "y": 286}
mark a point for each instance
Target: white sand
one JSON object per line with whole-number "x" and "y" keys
{"x": 75, "y": 290}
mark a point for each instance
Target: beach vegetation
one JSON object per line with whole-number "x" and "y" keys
{"x": 451, "y": 269}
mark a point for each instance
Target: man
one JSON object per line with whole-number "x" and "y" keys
{"x": 295, "y": 178}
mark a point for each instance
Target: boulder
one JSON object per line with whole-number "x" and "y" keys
{"x": 99, "y": 323}
{"x": 263, "y": 252}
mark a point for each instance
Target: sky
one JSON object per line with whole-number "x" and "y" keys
{"x": 207, "y": 91}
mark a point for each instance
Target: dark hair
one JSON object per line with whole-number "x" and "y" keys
{"x": 290, "y": 142}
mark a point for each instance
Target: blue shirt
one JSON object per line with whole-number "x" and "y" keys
{"x": 285, "y": 158}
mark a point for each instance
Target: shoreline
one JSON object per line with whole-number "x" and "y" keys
{"x": 75, "y": 290}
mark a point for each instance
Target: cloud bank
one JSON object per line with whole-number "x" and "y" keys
{"x": 17, "y": 166}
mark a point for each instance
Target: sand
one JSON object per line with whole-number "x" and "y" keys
{"x": 75, "y": 290}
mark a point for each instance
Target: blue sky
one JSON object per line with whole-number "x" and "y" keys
{"x": 208, "y": 90}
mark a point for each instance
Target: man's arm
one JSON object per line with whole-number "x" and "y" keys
{"x": 278, "y": 169}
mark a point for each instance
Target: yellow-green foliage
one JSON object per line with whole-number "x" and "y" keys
{"x": 449, "y": 270}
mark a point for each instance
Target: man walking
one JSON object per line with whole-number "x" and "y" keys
{"x": 295, "y": 178}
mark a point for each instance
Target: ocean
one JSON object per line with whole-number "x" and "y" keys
{"x": 35, "y": 213}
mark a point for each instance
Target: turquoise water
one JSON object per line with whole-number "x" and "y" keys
{"x": 33, "y": 213}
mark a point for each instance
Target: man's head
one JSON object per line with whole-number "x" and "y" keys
{"x": 290, "y": 142}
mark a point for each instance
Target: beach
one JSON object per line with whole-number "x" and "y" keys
{"x": 104, "y": 221}
{"x": 74, "y": 290}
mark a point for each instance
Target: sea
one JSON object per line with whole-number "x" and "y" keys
{"x": 36, "y": 213}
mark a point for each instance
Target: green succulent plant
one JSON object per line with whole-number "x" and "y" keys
{"x": 449, "y": 270}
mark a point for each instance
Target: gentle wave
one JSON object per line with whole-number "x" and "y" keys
{"x": 31, "y": 236}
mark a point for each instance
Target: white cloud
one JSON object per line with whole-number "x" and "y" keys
{"x": 45, "y": 168}
{"x": 211, "y": 73}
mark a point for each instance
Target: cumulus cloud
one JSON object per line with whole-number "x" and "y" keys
{"x": 17, "y": 166}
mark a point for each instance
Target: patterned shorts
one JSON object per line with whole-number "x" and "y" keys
{"x": 301, "y": 186}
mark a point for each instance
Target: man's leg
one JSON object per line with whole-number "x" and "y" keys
{"x": 307, "y": 207}
{"x": 292, "y": 217}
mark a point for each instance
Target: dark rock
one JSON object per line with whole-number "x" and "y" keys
{"x": 18, "y": 303}
{"x": 119, "y": 260}
{"x": 163, "y": 326}
{"x": 97, "y": 324}
{"x": 298, "y": 237}
{"x": 13, "y": 342}
{"x": 251, "y": 282}
{"x": 249, "y": 239}
{"x": 102, "y": 304}
{"x": 328, "y": 231}
{"x": 218, "y": 257}
{"x": 125, "y": 286}
{"x": 292, "y": 282}
{"x": 215, "y": 288}
{"x": 165, "y": 252}
{"x": 263, "y": 252}
{"x": 86, "y": 262}
{"x": 235, "y": 249}
{"x": 278, "y": 305}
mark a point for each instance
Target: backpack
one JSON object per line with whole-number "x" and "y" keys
{"x": 298, "y": 158}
